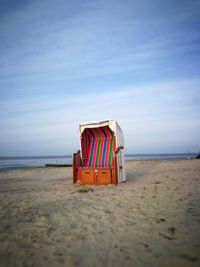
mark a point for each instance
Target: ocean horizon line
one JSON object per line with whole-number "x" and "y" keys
{"x": 14, "y": 162}
{"x": 126, "y": 155}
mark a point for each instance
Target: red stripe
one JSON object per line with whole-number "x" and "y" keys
{"x": 114, "y": 147}
{"x": 107, "y": 146}
{"x": 87, "y": 146}
{"x": 95, "y": 147}
{"x": 90, "y": 147}
{"x": 84, "y": 146}
{"x": 84, "y": 149}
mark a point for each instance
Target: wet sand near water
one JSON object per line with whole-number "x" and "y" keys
{"x": 151, "y": 220}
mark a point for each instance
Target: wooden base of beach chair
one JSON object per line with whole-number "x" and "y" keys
{"x": 99, "y": 176}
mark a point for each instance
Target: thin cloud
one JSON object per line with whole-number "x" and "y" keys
{"x": 157, "y": 112}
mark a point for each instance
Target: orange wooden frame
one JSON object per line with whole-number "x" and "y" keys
{"x": 91, "y": 175}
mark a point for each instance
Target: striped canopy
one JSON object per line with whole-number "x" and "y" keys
{"x": 97, "y": 145}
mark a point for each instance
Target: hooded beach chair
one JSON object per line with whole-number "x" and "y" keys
{"x": 100, "y": 159}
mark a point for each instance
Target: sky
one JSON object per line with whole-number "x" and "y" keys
{"x": 63, "y": 62}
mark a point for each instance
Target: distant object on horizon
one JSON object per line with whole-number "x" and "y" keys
{"x": 188, "y": 157}
{"x": 198, "y": 156}
{"x": 57, "y": 165}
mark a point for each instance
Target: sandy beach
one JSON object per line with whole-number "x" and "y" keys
{"x": 151, "y": 220}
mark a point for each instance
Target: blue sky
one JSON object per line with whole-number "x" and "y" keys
{"x": 63, "y": 62}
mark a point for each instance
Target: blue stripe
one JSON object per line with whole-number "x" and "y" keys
{"x": 91, "y": 153}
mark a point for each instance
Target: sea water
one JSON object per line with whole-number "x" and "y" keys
{"x": 40, "y": 161}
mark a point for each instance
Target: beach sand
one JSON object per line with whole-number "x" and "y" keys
{"x": 151, "y": 220}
